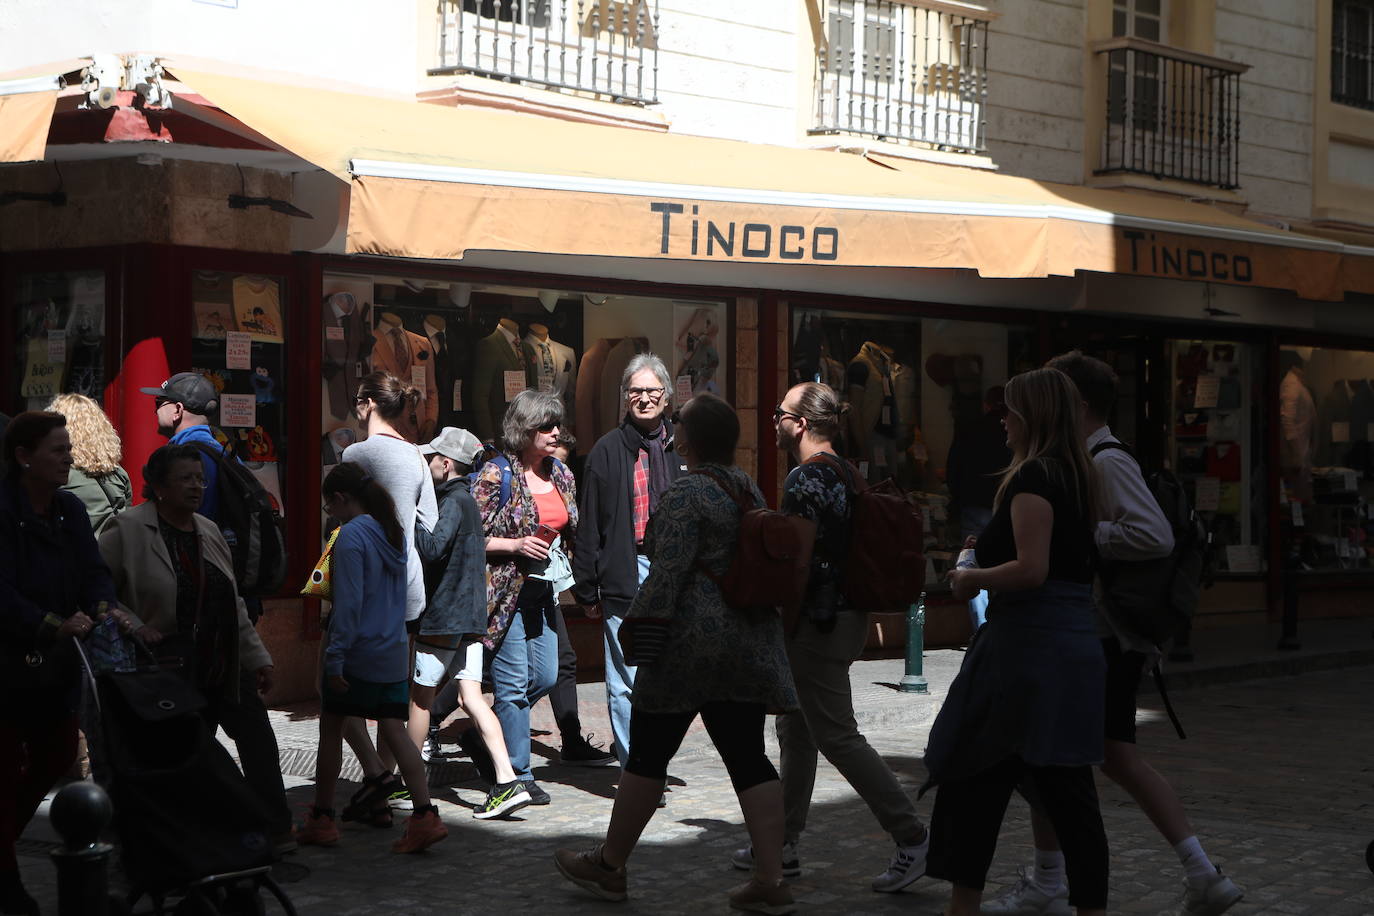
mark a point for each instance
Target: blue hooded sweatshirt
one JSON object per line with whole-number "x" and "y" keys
{"x": 209, "y": 504}
{"x": 367, "y": 624}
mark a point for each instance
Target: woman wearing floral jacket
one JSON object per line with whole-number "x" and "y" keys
{"x": 528, "y": 502}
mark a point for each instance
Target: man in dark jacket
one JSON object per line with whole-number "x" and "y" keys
{"x": 627, "y": 471}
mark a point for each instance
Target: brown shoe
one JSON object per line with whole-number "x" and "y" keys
{"x": 319, "y": 829}
{"x": 424, "y": 828}
{"x": 589, "y": 871}
{"x": 754, "y": 897}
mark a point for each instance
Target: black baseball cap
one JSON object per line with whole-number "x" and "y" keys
{"x": 189, "y": 389}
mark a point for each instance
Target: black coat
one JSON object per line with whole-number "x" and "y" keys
{"x": 455, "y": 559}
{"x": 50, "y": 568}
{"x": 603, "y": 560}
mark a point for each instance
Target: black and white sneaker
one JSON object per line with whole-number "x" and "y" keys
{"x": 431, "y": 750}
{"x": 503, "y": 800}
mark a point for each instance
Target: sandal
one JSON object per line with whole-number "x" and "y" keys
{"x": 369, "y": 804}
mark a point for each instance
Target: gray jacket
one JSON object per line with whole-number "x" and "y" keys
{"x": 455, "y": 559}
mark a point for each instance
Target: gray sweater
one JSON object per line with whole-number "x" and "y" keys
{"x": 397, "y": 465}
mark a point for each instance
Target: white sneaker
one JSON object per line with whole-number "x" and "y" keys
{"x": 907, "y": 865}
{"x": 1025, "y": 899}
{"x": 743, "y": 859}
{"x": 1217, "y": 895}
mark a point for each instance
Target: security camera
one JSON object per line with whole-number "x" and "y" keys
{"x": 103, "y": 97}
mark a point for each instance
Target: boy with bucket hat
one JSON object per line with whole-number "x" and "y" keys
{"x": 449, "y": 643}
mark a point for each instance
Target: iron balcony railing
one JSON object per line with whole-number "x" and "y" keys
{"x": 1352, "y": 53}
{"x": 606, "y": 48}
{"x": 904, "y": 71}
{"x": 1171, "y": 113}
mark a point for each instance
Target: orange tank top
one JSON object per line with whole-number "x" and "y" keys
{"x": 551, "y": 509}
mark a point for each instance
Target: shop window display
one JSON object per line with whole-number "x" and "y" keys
{"x": 1326, "y": 452}
{"x": 60, "y": 335}
{"x": 238, "y": 342}
{"x": 470, "y": 349}
{"x": 1216, "y": 446}
{"x": 925, "y": 407}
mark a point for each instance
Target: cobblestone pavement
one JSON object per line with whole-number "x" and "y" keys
{"x": 1276, "y": 775}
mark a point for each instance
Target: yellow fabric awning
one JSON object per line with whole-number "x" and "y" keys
{"x": 434, "y": 182}
{"x": 24, "y": 122}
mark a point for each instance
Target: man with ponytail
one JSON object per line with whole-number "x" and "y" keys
{"x": 828, "y": 639}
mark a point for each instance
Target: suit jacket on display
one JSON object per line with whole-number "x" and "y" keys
{"x": 414, "y": 351}
{"x": 343, "y": 354}
{"x": 588, "y": 386}
{"x": 495, "y": 356}
{"x": 552, "y": 366}
{"x": 450, "y": 365}
{"x": 869, "y": 372}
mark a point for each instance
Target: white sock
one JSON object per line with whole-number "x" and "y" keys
{"x": 1048, "y": 873}
{"x": 1196, "y": 865}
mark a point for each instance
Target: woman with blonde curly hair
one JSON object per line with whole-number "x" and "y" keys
{"x": 96, "y": 476}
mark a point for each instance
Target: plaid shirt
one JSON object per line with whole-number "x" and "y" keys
{"x": 640, "y": 499}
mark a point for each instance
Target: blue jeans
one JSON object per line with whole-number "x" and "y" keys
{"x": 523, "y": 669}
{"x": 620, "y": 677}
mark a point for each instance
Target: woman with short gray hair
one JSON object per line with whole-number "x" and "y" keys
{"x": 528, "y": 502}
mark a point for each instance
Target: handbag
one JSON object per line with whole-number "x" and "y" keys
{"x": 321, "y": 581}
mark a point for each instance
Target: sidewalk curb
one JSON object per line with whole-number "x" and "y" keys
{"x": 1184, "y": 678}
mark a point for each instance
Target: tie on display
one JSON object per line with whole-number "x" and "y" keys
{"x": 398, "y": 343}
{"x": 441, "y": 348}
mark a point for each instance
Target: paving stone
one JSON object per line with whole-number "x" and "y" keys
{"x": 1276, "y": 775}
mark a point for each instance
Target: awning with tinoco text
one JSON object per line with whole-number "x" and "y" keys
{"x": 436, "y": 182}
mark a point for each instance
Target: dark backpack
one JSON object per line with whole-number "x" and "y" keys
{"x": 771, "y": 561}
{"x": 251, "y": 526}
{"x": 885, "y": 566}
{"x": 1155, "y": 599}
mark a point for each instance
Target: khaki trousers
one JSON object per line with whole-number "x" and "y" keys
{"x": 825, "y": 724}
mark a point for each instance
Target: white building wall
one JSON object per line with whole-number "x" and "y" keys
{"x": 729, "y": 69}
{"x": 1035, "y": 88}
{"x": 364, "y": 43}
{"x": 1277, "y": 38}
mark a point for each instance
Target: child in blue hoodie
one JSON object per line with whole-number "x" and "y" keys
{"x": 367, "y": 658}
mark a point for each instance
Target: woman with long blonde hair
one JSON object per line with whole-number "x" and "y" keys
{"x": 1026, "y": 707}
{"x": 96, "y": 476}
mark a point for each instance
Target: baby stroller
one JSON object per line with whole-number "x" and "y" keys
{"x": 188, "y": 824}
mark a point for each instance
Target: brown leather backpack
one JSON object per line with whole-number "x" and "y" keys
{"x": 771, "y": 561}
{"x": 885, "y": 565}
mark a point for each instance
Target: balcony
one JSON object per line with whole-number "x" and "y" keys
{"x": 602, "y": 48}
{"x": 914, "y": 72}
{"x": 1170, "y": 113}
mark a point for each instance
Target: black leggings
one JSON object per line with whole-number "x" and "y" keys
{"x": 736, "y": 729}
{"x": 968, "y": 816}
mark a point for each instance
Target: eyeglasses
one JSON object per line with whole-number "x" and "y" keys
{"x": 547, "y": 427}
{"x": 779, "y": 413}
{"x": 651, "y": 394}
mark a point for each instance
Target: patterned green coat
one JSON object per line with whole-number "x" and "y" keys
{"x": 711, "y": 652}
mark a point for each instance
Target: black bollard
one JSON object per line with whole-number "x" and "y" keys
{"x": 79, "y": 814}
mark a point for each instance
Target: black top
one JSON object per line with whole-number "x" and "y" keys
{"x": 1070, "y": 541}
{"x": 816, "y": 491}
